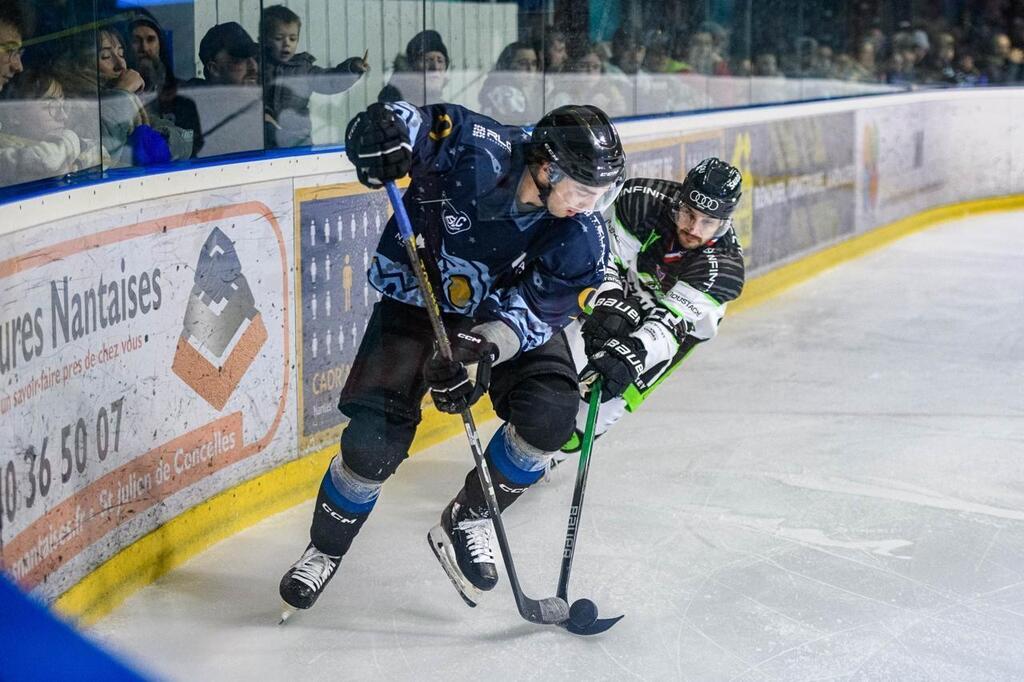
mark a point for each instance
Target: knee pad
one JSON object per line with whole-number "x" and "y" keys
{"x": 374, "y": 444}
{"x": 543, "y": 411}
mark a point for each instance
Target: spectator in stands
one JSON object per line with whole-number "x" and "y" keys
{"x": 229, "y": 56}
{"x": 866, "y": 69}
{"x": 966, "y": 71}
{"x": 1002, "y": 64}
{"x": 12, "y": 29}
{"x": 290, "y": 78}
{"x": 556, "y": 54}
{"x": 585, "y": 79}
{"x": 766, "y": 65}
{"x": 35, "y": 141}
{"x": 127, "y": 132}
{"x": 511, "y": 92}
{"x": 421, "y": 74}
{"x": 228, "y": 97}
{"x": 658, "y": 54}
{"x": 151, "y": 58}
{"x": 627, "y": 51}
{"x": 899, "y": 69}
{"x": 702, "y": 57}
{"x": 941, "y": 66}
{"x": 919, "y": 47}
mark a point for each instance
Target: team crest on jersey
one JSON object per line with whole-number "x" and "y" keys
{"x": 455, "y": 221}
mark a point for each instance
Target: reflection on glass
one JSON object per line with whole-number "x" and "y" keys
{"x": 145, "y": 84}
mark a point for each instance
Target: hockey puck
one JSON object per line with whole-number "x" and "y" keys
{"x": 583, "y": 613}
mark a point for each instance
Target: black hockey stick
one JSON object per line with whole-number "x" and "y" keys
{"x": 550, "y": 610}
{"x": 583, "y": 618}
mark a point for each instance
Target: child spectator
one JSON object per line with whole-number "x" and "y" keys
{"x": 290, "y": 78}
{"x": 35, "y": 142}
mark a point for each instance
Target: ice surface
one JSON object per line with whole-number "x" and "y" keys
{"x": 832, "y": 489}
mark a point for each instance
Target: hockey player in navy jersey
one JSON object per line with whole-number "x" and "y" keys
{"x": 675, "y": 265}
{"x": 510, "y": 224}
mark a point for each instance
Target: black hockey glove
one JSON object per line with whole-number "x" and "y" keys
{"x": 377, "y": 144}
{"x": 620, "y": 361}
{"x": 451, "y": 387}
{"x": 612, "y": 315}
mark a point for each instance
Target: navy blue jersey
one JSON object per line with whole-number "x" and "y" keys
{"x": 490, "y": 261}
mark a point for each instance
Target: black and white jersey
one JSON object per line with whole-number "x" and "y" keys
{"x": 684, "y": 292}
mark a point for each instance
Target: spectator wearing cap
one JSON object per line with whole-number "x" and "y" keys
{"x": 290, "y": 78}
{"x": 421, "y": 77}
{"x": 150, "y": 56}
{"x": 12, "y": 29}
{"x": 229, "y": 56}
{"x": 228, "y": 97}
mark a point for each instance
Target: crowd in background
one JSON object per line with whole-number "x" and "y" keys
{"x": 78, "y": 91}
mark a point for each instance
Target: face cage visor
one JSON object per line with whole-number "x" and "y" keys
{"x": 578, "y": 196}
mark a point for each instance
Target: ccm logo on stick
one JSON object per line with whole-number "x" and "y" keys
{"x": 702, "y": 200}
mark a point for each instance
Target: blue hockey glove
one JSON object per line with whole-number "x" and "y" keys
{"x": 621, "y": 362}
{"x": 377, "y": 144}
{"x": 612, "y": 315}
{"x": 450, "y": 385}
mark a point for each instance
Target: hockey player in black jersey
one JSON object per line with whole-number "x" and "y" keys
{"x": 512, "y": 236}
{"x": 675, "y": 265}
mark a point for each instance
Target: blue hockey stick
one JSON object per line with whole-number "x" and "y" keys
{"x": 550, "y": 610}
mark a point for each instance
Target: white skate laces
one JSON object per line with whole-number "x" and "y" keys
{"x": 314, "y": 568}
{"x": 479, "y": 536}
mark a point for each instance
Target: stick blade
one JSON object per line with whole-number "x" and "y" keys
{"x": 597, "y": 627}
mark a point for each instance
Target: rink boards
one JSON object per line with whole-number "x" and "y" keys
{"x": 171, "y": 365}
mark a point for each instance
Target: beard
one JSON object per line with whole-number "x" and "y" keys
{"x": 154, "y": 73}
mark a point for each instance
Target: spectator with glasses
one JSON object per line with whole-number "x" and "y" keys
{"x": 228, "y": 96}
{"x": 35, "y": 141}
{"x": 12, "y": 28}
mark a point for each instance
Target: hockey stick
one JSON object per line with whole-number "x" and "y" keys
{"x": 550, "y": 610}
{"x": 583, "y": 618}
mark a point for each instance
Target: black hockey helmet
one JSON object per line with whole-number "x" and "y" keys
{"x": 582, "y": 142}
{"x": 713, "y": 187}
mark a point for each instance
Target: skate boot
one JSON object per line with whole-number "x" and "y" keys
{"x": 462, "y": 543}
{"x": 307, "y": 578}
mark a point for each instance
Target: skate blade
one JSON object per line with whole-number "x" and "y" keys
{"x": 287, "y": 610}
{"x": 442, "y": 548}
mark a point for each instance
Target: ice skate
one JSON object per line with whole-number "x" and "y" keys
{"x": 462, "y": 543}
{"x": 306, "y": 579}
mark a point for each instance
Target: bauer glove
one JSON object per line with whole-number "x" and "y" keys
{"x": 450, "y": 384}
{"x": 377, "y": 144}
{"x": 612, "y": 315}
{"x": 620, "y": 361}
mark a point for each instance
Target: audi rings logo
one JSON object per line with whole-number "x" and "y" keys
{"x": 703, "y": 201}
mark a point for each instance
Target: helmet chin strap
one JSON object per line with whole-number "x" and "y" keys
{"x": 543, "y": 189}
